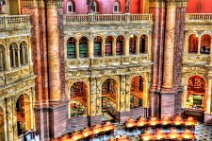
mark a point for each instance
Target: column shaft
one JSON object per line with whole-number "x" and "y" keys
{"x": 169, "y": 45}
{"x": 53, "y": 53}
{"x": 90, "y": 48}
{"x": 208, "y": 99}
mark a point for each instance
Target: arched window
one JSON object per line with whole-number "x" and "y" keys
{"x": 108, "y": 46}
{"x": 23, "y": 53}
{"x": 71, "y": 48}
{"x": 83, "y": 47}
{"x": 2, "y": 58}
{"x": 70, "y": 6}
{"x": 143, "y": 44}
{"x": 137, "y": 90}
{"x": 119, "y": 45}
{"x": 95, "y": 6}
{"x": 132, "y": 44}
{"x": 78, "y": 99}
{"x": 193, "y": 43}
{"x": 205, "y": 44}
{"x": 196, "y": 90}
{"x": 97, "y": 46}
{"x": 14, "y": 51}
{"x": 116, "y": 7}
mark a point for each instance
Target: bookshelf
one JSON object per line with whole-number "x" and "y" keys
{"x": 71, "y": 49}
{"x": 83, "y": 47}
{"x": 97, "y": 48}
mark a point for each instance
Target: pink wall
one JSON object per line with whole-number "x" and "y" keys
{"x": 105, "y": 6}
{"x": 205, "y": 6}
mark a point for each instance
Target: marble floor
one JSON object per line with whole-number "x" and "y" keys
{"x": 203, "y": 133}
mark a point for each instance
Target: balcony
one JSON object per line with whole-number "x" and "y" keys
{"x": 199, "y": 17}
{"x": 107, "y": 18}
{"x": 109, "y": 62}
{"x": 196, "y": 59}
{"x": 10, "y": 22}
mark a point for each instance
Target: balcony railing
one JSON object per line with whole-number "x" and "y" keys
{"x": 196, "y": 59}
{"x": 102, "y": 62}
{"x": 199, "y": 17}
{"x": 16, "y": 21}
{"x": 106, "y": 18}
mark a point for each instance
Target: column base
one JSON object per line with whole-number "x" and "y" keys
{"x": 77, "y": 123}
{"x": 208, "y": 119}
{"x": 93, "y": 120}
{"x": 123, "y": 116}
{"x": 58, "y": 120}
{"x": 168, "y": 103}
{"x": 154, "y": 104}
{"x": 42, "y": 122}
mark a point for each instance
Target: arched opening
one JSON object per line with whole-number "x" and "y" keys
{"x": 23, "y": 112}
{"x": 83, "y": 47}
{"x": 193, "y": 44}
{"x": 119, "y": 45}
{"x": 143, "y": 44}
{"x": 70, "y": 6}
{"x": 108, "y": 46}
{"x": 14, "y": 55}
{"x": 116, "y": 7}
{"x": 132, "y": 44}
{"x": 205, "y": 44}
{"x": 71, "y": 48}
{"x": 23, "y": 53}
{"x": 2, "y": 58}
{"x": 137, "y": 91}
{"x": 109, "y": 94}
{"x": 78, "y": 104}
{"x": 97, "y": 46}
{"x": 196, "y": 89}
{"x": 95, "y": 6}
{"x": 2, "y": 136}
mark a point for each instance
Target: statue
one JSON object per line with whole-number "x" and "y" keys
{"x": 91, "y": 6}
{"x": 127, "y": 6}
{"x": 2, "y": 2}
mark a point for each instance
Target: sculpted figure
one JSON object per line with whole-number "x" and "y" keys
{"x": 127, "y": 7}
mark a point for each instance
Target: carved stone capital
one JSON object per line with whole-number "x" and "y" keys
{"x": 54, "y": 3}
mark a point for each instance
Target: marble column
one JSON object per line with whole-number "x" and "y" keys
{"x": 7, "y": 59}
{"x": 137, "y": 49}
{"x": 114, "y": 47}
{"x": 208, "y": 96}
{"x": 90, "y": 47}
{"x": 169, "y": 45}
{"x": 53, "y": 51}
{"x": 77, "y": 49}
{"x": 126, "y": 46}
{"x": 103, "y": 47}
{"x": 9, "y": 113}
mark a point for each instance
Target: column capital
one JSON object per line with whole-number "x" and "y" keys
{"x": 54, "y": 3}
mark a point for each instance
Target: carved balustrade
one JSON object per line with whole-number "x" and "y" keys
{"x": 109, "y": 61}
{"x": 107, "y": 18}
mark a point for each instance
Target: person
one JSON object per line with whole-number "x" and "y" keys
{"x": 194, "y": 106}
{"x": 127, "y": 8}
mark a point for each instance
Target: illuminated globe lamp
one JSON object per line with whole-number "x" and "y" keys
{"x": 130, "y": 123}
{"x": 86, "y": 132}
{"x": 97, "y": 129}
{"x": 178, "y": 121}
{"x": 141, "y": 122}
{"x": 153, "y": 122}
{"x": 159, "y": 135}
{"x": 173, "y": 135}
{"x": 123, "y": 138}
{"x": 147, "y": 136}
{"x": 190, "y": 123}
{"x": 108, "y": 127}
{"x": 76, "y": 136}
{"x": 188, "y": 135}
{"x": 165, "y": 122}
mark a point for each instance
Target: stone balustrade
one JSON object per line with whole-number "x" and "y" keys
{"x": 103, "y": 62}
{"x": 196, "y": 59}
{"x": 7, "y": 77}
{"x": 14, "y": 22}
{"x": 107, "y": 18}
{"x": 199, "y": 17}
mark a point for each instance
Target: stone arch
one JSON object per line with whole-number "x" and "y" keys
{"x": 196, "y": 91}
{"x": 109, "y": 45}
{"x": 14, "y": 50}
{"x": 205, "y": 43}
{"x": 139, "y": 90}
{"x": 23, "y": 112}
{"x": 116, "y": 6}
{"x": 78, "y": 99}
{"x": 83, "y": 47}
{"x": 23, "y": 53}
{"x": 120, "y": 44}
{"x": 143, "y": 43}
{"x": 70, "y": 6}
{"x": 98, "y": 46}
{"x": 71, "y": 47}
{"x": 193, "y": 41}
{"x": 133, "y": 39}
